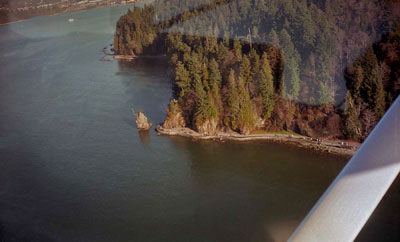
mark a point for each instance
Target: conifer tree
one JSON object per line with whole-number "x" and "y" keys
{"x": 194, "y": 68}
{"x": 215, "y": 91}
{"x": 245, "y": 71}
{"x": 205, "y": 77}
{"x": 233, "y": 100}
{"x": 255, "y": 62}
{"x": 273, "y": 38}
{"x": 292, "y": 79}
{"x": 371, "y": 88}
{"x": 205, "y": 109}
{"x": 379, "y": 97}
{"x": 182, "y": 78}
{"x": 369, "y": 64}
{"x": 286, "y": 43}
{"x": 354, "y": 79}
{"x": 246, "y": 115}
{"x": 215, "y": 74}
{"x": 266, "y": 87}
{"x": 237, "y": 46}
{"x": 352, "y": 123}
{"x": 324, "y": 94}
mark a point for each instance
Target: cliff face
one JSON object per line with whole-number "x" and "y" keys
{"x": 208, "y": 127}
{"x": 174, "y": 118}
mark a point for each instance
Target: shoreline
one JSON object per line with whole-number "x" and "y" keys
{"x": 123, "y": 57}
{"x": 14, "y": 22}
{"x": 70, "y": 10}
{"x": 336, "y": 147}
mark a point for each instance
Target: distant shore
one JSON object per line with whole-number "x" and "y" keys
{"x": 71, "y": 9}
{"x": 337, "y": 147}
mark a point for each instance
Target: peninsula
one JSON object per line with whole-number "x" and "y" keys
{"x": 239, "y": 74}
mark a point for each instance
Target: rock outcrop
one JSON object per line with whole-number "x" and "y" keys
{"x": 142, "y": 123}
{"x": 174, "y": 118}
{"x": 208, "y": 127}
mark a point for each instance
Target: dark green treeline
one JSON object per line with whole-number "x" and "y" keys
{"x": 238, "y": 61}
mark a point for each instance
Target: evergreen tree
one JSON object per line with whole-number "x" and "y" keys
{"x": 371, "y": 89}
{"x": 369, "y": 64}
{"x": 255, "y": 62}
{"x": 215, "y": 91}
{"x": 215, "y": 74}
{"x": 379, "y": 97}
{"x": 194, "y": 68}
{"x": 291, "y": 70}
{"x": 205, "y": 110}
{"x": 354, "y": 79}
{"x": 286, "y": 43}
{"x": 324, "y": 94}
{"x": 292, "y": 79}
{"x": 233, "y": 100}
{"x": 266, "y": 87}
{"x": 246, "y": 115}
{"x": 273, "y": 38}
{"x": 182, "y": 78}
{"x": 245, "y": 71}
{"x": 205, "y": 77}
{"x": 352, "y": 123}
{"x": 254, "y": 32}
{"x": 237, "y": 46}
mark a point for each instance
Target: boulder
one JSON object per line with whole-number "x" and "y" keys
{"x": 142, "y": 123}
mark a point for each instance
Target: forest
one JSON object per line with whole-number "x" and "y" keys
{"x": 318, "y": 68}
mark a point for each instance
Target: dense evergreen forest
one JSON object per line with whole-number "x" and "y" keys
{"x": 321, "y": 68}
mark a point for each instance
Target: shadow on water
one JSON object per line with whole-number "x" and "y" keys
{"x": 380, "y": 226}
{"x": 259, "y": 191}
{"x": 1, "y": 231}
{"x": 265, "y": 189}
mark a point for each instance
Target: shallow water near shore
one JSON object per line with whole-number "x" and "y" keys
{"x": 74, "y": 168}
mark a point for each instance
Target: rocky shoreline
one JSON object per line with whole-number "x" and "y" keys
{"x": 330, "y": 146}
{"x": 123, "y": 57}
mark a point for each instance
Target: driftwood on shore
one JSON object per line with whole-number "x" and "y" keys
{"x": 334, "y": 147}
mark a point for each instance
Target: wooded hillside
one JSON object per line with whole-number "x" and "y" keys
{"x": 274, "y": 65}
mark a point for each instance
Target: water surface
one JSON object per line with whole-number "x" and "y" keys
{"x": 74, "y": 168}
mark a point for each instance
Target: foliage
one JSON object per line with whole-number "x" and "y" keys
{"x": 233, "y": 59}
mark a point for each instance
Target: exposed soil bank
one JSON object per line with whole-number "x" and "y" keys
{"x": 330, "y": 146}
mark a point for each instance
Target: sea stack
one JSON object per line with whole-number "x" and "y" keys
{"x": 142, "y": 123}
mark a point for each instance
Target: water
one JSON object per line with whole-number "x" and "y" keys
{"x": 74, "y": 168}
